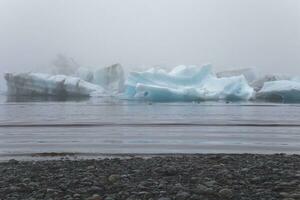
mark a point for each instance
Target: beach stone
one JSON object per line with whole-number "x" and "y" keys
{"x": 226, "y": 193}
{"x": 94, "y": 197}
{"x": 202, "y": 189}
{"x": 76, "y": 195}
{"x": 164, "y": 198}
{"x": 182, "y": 196}
{"x": 114, "y": 178}
{"x": 295, "y": 195}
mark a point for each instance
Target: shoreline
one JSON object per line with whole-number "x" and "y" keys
{"x": 151, "y": 177}
{"x": 76, "y": 156}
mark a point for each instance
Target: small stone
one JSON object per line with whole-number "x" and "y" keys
{"x": 164, "y": 198}
{"x": 210, "y": 183}
{"x": 295, "y": 195}
{"x": 76, "y": 195}
{"x": 182, "y": 196}
{"x": 202, "y": 189}
{"x": 13, "y": 161}
{"x": 49, "y": 190}
{"x": 195, "y": 197}
{"x": 114, "y": 178}
{"x": 91, "y": 167}
{"x": 226, "y": 193}
{"x": 284, "y": 194}
{"x": 94, "y": 197}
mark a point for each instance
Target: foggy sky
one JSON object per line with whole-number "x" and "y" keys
{"x": 227, "y": 33}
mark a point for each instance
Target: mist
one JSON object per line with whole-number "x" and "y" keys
{"x": 229, "y": 34}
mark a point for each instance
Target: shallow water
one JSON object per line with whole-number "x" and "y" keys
{"x": 105, "y": 126}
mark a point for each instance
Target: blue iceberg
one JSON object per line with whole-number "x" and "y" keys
{"x": 281, "y": 91}
{"x": 186, "y": 83}
{"x": 38, "y": 84}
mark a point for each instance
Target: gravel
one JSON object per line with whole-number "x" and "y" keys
{"x": 177, "y": 177}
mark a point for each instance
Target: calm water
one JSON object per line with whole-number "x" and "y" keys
{"x": 113, "y": 126}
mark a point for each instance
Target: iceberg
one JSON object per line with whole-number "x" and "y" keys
{"x": 85, "y": 74}
{"x": 281, "y": 91}
{"x": 186, "y": 83}
{"x": 249, "y": 73}
{"x": 259, "y": 83}
{"x": 30, "y": 84}
{"x": 110, "y": 78}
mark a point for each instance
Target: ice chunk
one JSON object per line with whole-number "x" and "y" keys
{"x": 249, "y": 73}
{"x": 110, "y": 78}
{"x": 282, "y": 90}
{"x": 29, "y": 84}
{"x": 184, "y": 83}
{"x": 85, "y": 74}
{"x": 258, "y": 84}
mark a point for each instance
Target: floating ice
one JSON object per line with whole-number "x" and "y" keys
{"x": 30, "y": 84}
{"x": 184, "y": 83}
{"x": 85, "y": 74}
{"x": 282, "y": 90}
{"x": 110, "y": 78}
{"x": 249, "y": 73}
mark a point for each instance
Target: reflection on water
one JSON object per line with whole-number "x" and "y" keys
{"x": 39, "y": 98}
{"x": 109, "y": 125}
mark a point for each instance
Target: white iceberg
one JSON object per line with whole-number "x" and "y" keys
{"x": 186, "y": 83}
{"x": 110, "y": 78}
{"x": 282, "y": 90}
{"x": 30, "y": 84}
{"x": 249, "y": 73}
{"x": 85, "y": 74}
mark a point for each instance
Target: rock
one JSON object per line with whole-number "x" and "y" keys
{"x": 202, "y": 189}
{"x": 114, "y": 178}
{"x": 295, "y": 195}
{"x": 171, "y": 171}
{"x": 226, "y": 193}
{"x": 210, "y": 183}
{"x": 167, "y": 170}
{"x": 195, "y": 197}
{"x": 182, "y": 196}
{"x": 164, "y": 198}
{"x": 91, "y": 167}
{"x": 94, "y": 197}
{"x": 284, "y": 194}
{"x": 13, "y": 161}
{"x": 76, "y": 195}
{"x": 94, "y": 189}
{"x": 109, "y": 198}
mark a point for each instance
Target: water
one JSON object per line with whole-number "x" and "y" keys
{"x": 110, "y": 126}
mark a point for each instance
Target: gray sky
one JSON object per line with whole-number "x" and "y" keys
{"x": 227, "y": 33}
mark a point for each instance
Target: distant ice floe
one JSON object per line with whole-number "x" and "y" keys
{"x": 186, "y": 83}
{"x": 249, "y": 73}
{"x": 82, "y": 82}
{"x": 31, "y": 84}
{"x": 111, "y": 78}
{"x": 282, "y": 91}
{"x": 183, "y": 83}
